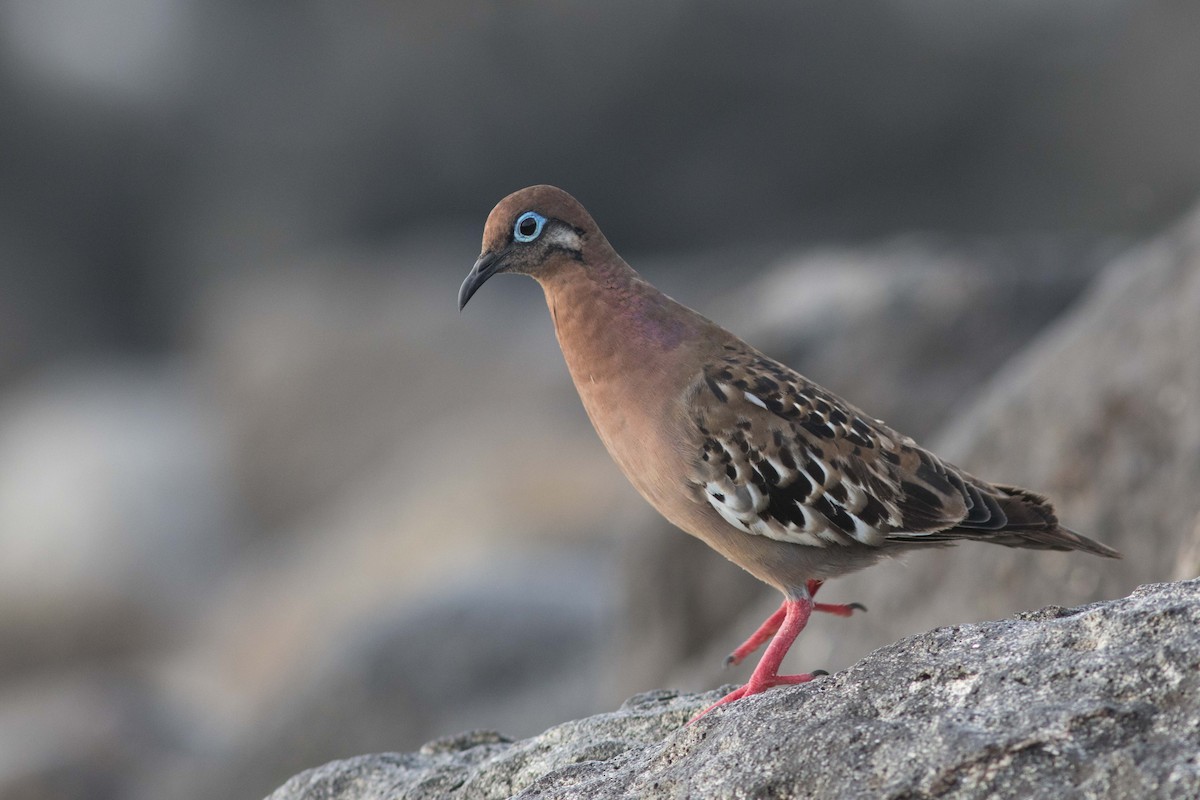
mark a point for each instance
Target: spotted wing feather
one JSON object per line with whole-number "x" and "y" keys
{"x": 778, "y": 456}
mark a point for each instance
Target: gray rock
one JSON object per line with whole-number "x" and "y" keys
{"x": 931, "y": 316}
{"x": 1101, "y": 701}
{"x": 1104, "y": 416}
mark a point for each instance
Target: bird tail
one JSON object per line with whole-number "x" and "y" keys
{"x": 1061, "y": 538}
{"x": 1032, "y": 523}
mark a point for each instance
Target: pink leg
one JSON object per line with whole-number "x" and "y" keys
{"x": 764, "y": 632}
{"x": 768, "y": 628}
{"x": 766, "y": 674}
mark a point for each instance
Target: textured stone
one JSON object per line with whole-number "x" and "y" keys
{"x": 1095, "y": 702}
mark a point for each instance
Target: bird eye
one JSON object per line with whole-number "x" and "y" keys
{"x": 529, "y": 226}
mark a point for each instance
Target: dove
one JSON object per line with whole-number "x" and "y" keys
{"x": 779, "y": 475}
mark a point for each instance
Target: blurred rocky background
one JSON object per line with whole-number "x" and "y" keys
{"x": 267, "y": 500}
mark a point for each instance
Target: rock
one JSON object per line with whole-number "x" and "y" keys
{"x": 1103, "y": 415}
{"x": 933, "y": 317}
{"x": 1094, "y": 702}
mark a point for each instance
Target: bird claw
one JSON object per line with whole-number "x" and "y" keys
{"x": 839, "y": 609}
{"x": 759, "y": 687}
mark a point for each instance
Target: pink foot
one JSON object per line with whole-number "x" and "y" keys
{"x": 764, "y": 632}
{"x": 749, "y": 690}
{"x": 786, "y": 625}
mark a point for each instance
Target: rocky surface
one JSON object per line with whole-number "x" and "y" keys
{"x": 1100, "y": 701}
{"x": 1103, "y": 414}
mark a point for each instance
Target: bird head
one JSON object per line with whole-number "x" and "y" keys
{"x": 531, "y": 232}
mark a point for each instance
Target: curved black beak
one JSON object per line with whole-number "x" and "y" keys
{"x": 486, "y": 266}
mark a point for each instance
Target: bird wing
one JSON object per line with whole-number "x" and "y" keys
{"x": 778, "y": 456}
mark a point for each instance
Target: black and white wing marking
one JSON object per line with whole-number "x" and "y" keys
{"x": 779, "y": 456}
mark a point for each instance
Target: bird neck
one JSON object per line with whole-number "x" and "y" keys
{"x": 610, "y": 322}
{"x": 629, "y": 349}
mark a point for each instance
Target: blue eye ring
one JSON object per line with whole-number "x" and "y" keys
{"x": 523, "y": 231}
